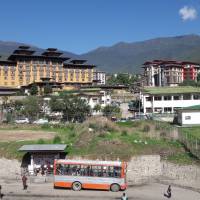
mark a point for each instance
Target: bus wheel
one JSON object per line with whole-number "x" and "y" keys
{"x": 114, "y": 187}
{"x": 76, "y": 186}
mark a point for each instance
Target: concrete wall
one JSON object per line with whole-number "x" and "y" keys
{"x": 142, "y": 168}
{"x": 187, "y": 172}
{"x": 190, "y": 118}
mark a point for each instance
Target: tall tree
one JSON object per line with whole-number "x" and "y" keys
{"x": 47, "y": 89}
{"x": 31, "y": 107}
{"x": 97, "y": 108}
{"x": 34, "y": 89}
{"x": 111, "y": 110}
{"x": 75, "y": 109}
{"x": 56, "y": 104}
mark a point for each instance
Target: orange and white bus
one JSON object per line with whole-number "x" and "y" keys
{"x": 90, "y": 174}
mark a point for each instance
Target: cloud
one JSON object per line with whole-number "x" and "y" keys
{"x": 188, "y": 13}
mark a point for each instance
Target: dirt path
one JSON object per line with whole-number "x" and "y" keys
{"x": 22, "y": 135}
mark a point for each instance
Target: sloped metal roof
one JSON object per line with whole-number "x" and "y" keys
{"x": 43, "y": 147}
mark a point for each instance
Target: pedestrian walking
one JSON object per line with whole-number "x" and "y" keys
{"x": 124, "y": 197}
{"x": 24, "y": 181}
{"x": 169, "y": 192}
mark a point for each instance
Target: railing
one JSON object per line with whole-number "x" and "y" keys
{"x": 191, "y": 142}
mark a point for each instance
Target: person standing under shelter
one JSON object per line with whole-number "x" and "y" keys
{"x": 24, "y": 181}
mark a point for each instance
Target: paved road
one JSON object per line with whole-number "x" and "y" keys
{"x": 40, "y": 191}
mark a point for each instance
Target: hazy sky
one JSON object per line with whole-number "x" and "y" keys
{"x": 82, "y": 25}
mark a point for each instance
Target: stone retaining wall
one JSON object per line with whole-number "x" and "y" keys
{"x": 142, "y": 168}
{"x": 187, "y": 172}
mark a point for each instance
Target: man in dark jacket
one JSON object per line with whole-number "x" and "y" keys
{"x": 169, "y": 192}
{"x": 24, "y": 180}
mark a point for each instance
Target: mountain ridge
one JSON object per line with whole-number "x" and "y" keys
{"x": 129, "y": 56}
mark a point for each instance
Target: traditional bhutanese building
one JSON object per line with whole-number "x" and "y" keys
{"x": 25, "y": 67}
{"x": 76, "y": 72}
{"x": 169, "y": 73}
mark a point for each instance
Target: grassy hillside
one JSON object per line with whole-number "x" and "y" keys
{"x": 107, "y": 140}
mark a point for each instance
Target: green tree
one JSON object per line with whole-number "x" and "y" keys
{"x": 122, "y": 79}
{"x": 56, "y": 104}
{"x": 31, "y": 107}
{"x": 97, "y": 108}
{"x": 34, "y": 89}
{"x": 188, "y": 82}
{"x": 198, "y": 77}
{"x": 111, "y": 110}
{"x": 47, "y": 89}
{"x": 75, "y": 109}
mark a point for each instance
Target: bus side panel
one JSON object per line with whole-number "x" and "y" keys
{"x": 89, "y": 182}
{"x": 96, "y": 186}
{"x": 63, "y": 184}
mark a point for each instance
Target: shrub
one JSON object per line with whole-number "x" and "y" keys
{"x": 102, "y": 135}
{"x": 124, "y": 133}
{"x": 163, "y": 134}
{"x": 72, "y": 134}
{"x": 146, "y": 128}
{"x": 46, "y": 126}
{"x": 56, "y": 140}
{"x": 40, "y": 141}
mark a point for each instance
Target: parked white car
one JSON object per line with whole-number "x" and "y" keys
{"x": 41, "y": 121}
{"x": 22, "y": 121}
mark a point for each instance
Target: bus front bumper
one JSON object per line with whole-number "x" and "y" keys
{"x": 124, "y": 187}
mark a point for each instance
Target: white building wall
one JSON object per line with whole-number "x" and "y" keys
{"x": 167, "y": 103}
{"x": 190, "y": 118}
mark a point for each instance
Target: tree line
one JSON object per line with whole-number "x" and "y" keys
{"x": 71, "y": 107}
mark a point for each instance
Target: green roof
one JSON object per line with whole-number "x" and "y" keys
{"x": 171, "y": 90}
{"x": 195, "y": 107}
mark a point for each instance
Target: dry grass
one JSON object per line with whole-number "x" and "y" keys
{"x": 24, "y": 135}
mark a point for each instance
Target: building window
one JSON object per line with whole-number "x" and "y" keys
{"x": 60, "y": 78}
{"x": 148, "y": 98}
{"x": 54, "y": 63}
{"x": 167, "y": 98}
{"x": 149, "y": 110}
{"x": 34, "y": 68}
{"x": 157, "y": 98}
{"x": 187, "y": 117}
{"x": 20, "y": 67}
{"x": 167, "y": 109}
{"x": 196, "y": 96}
{"x": 177, "y": 98}
{"x": 186, "y": 97}
{"x": 158, "y": 109}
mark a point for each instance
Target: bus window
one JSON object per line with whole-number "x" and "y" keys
{"x": 117, "y": 172}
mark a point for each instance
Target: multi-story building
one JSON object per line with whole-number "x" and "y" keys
{"x": 169, "y": 73}
{"x": 168, "y": 99}
{"x": 25, "y": 66}
{"x": 99, "y": 77}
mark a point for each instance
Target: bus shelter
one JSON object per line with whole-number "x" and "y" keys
{"x": 39, "y": 158}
